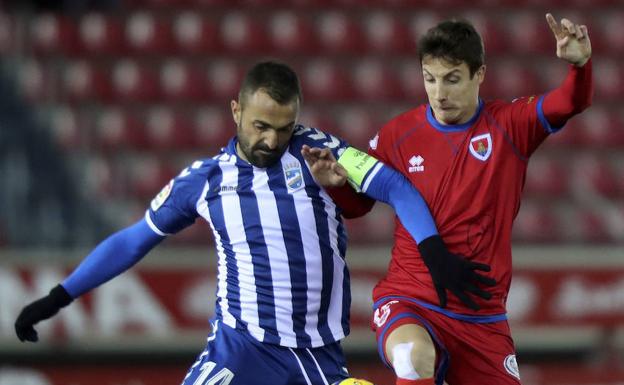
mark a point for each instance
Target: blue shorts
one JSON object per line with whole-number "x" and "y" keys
{"x": 232, "y": 357}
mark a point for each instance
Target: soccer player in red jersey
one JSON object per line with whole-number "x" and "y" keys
{"x": 468, "y": 158}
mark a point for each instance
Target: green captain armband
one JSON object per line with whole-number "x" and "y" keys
{"x": 358, "y": 165}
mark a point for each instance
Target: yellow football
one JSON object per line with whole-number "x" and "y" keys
{"x": 355, "y": 381}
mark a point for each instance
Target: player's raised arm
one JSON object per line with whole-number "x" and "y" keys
{"x": 575, "y": 93}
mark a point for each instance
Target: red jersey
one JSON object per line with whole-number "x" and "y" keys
{"x": 471, "y": 176}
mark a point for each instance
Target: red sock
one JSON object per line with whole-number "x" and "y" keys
{"x": 420, "y": 381}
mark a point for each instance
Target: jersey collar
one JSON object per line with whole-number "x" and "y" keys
{"x": 453, "y": 127}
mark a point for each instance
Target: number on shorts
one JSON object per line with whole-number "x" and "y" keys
{"x": 223, "y": 376}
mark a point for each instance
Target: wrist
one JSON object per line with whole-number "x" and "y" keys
{"x": 60, "y": 296}
{"x": 431, "y": 246}
{"x": 580, "y": 63}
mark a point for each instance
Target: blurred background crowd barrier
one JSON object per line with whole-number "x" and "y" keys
{"x": 102, "y": 102}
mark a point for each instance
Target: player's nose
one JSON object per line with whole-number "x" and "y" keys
{"x": 270, "y": 139}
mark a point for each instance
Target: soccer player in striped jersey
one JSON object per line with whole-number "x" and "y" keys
{"x": 283, "y": 291}
{"x": 468, "y": 158}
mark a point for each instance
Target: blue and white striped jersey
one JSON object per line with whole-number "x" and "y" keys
{"x": 280, "y": 242}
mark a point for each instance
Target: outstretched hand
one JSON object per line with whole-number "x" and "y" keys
{"x": 573, "y": 43}
{"x": 324, "y": 167}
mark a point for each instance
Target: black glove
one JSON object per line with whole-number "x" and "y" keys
{"x": 41, "y": 309}
{"x": 453, "y": 272}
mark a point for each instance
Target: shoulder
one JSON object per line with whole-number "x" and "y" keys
{"x": 497, "y": 106}
{"x": 405, "y": 120}
{"x": 398, "y": 125}
{"x": 314, "y": 137}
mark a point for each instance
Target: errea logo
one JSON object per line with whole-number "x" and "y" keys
{"x": 416, "y": 164}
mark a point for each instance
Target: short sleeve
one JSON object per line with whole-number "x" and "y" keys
{"x": 314, "y": 137}
{"x": 175, "y": 206}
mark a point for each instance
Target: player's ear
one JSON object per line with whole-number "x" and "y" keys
{"x": 236, "y": 110}
{"x": 481, "y": 74}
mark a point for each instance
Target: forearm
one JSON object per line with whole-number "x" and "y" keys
{"x": 389, "y": 186}
{"x": 352, "y": 204}
{"x": 112, "y": 257}
{"x": 573, "y": 96}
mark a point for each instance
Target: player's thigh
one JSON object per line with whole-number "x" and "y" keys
{"x": 483, "y": 355}
{"x": 231, "y": 358}
{"x": 412, "y": 341}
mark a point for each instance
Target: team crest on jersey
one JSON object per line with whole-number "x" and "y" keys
{"x": 481, "y": 146}
{"x": 162, "y": 196}
{"x": 511, "y": 365}
{"x": 293, "y": 175}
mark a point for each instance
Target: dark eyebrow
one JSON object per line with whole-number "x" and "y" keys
{"x": 453, "y": 72}
{"x": 277, "y": 129}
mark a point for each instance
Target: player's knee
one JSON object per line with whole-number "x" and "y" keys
{"x": 411, "y": 352}
{"x": 423, "y": 358}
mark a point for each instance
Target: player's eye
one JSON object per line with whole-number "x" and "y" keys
{"x": 453, "y": 80}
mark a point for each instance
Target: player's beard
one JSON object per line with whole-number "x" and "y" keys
{"x": 256, "y": 154}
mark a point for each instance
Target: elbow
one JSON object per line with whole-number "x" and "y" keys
{"x": 365, "y": 205}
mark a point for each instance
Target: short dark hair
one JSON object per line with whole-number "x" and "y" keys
{"x": 276, "y": 79}
{"x": 456, "y": 41}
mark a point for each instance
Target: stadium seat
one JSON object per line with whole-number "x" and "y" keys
{"x": 536, "y": 223}
{"x": 82, "y": 82}
{"x": 52, "y": 34}
{"x": 608, "y": 78}
{"x": 67, "y": 127}
{"x": 324, "y": 80}
{"x": 117, "y": 129}
{"x": 99, "y": 176}
{"x": 167, "y": 130}
{"x": 546, "y": 178}
{"x": 33, "y": 81}
{"x": 147, "y": 175}
{"x": 601, "y": 128}
{"x": 411, "y": 79}
{"x": 593, "y": 178}
{"x": 339, "y": 34}
{"x": 357, "y": 125}
{"x": 610, "y": 26}
{"x": 421, "y": 21}
{"x": 148, "y": 34}
{"x": 212, "y": 128}
{"x": 101, "y": 34}
{"x": 223, "y": 78}
{"x": 510, "y": 79}
{"x": 319, "y": 118}
{"x": 374, "y": 81}
{"x": 386, "y": 33}
{"x": 194, "y": 34}
{"x": 527, "y": 32}
{"x": 291, "y": 33}
{"x": 242, "y": 34}
{"x": 493, "y": 35}
{"x": 179, "y": 82}
{"x": 590, "y": 226}
{"x": 134, "y": 83}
